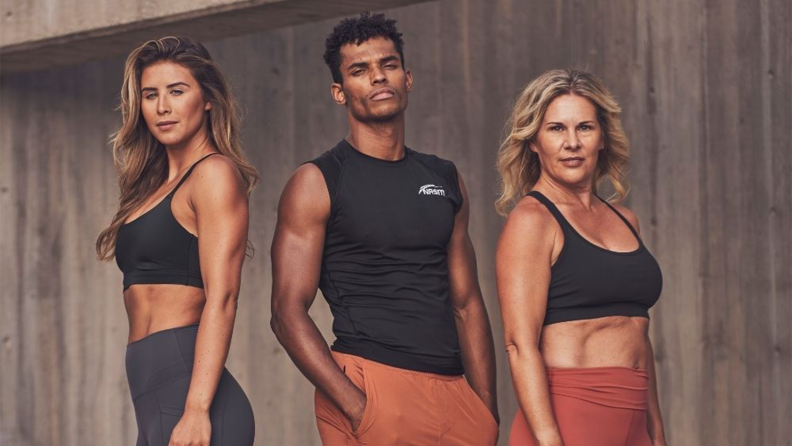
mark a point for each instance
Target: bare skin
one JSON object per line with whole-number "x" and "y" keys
{"x": 568, "y": 145}
{"x": 374, "y": 92}
{"x": 212, "y": 205}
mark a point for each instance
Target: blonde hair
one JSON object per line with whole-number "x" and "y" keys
{"x": 139, "y": 158}
{"x": 519, "y": 167}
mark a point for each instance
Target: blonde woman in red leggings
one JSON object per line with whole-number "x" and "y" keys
{"x": 575, "y": 281}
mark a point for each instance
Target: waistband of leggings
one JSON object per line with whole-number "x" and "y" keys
{"x": 618, "y": 387}
{"x": 392, "y": 369}
{"x": 160, "y": 358}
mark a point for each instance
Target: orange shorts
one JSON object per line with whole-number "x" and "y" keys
{"x": 405, "y": 407}
{"x": 599, "y": 406}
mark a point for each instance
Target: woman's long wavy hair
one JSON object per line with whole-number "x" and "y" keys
{"x": 519, "y": 166}
{"x": 140, "y": 159}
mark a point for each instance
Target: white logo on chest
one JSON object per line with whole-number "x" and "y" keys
{"x": 431, "y": 189}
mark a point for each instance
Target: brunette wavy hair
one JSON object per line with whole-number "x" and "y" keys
{"x": 140, "y": 159}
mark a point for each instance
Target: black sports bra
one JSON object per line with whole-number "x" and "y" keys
{"x": 588, "y": 281}
{"x": 154, "y": 248}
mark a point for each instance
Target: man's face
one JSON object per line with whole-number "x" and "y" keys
{"x": 375, "y": 84}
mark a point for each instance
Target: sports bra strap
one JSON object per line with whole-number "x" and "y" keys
{"x": 187, "y": 174}
{"x": 629, "y": 225}
{"x": 552, "y": 208}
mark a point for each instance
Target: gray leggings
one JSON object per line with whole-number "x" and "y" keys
{"x": 158, "y": 369}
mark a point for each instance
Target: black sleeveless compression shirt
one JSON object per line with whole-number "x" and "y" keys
{"x": 154, "y": 248}
{"x": 588, "y": 281}
{"x": 384, "y": 267}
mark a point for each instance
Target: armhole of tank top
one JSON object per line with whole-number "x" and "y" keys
{"x": 332, "y": 184}
{"x": 624, "y": 219}
{"x": 457, "y": 188}
{"x": 173, "y": 191}
{"x": 566, "y": 228}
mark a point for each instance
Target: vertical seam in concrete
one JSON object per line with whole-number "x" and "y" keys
{"x": 654, "y": 157}
{"x": 767, "y": 149}
{"x": 703, "y": 437}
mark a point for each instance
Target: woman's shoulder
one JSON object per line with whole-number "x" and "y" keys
{"x": 217, "y": 166}
{"x": 531, "y": 215}
{"x": 530, "y": 230}
{"x": 217, "y": 171}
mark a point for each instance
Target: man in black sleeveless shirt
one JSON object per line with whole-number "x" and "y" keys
{"x": 382, "y": 230}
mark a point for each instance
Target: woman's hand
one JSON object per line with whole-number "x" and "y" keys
{"x": 193, "y": 429}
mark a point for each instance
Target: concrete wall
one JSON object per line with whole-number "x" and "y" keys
{"x": 707, "y": 99}
{"x": 25, "y": 21}
{"x": 47, "y": 33}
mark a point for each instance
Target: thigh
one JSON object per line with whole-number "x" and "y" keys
{"x": 520, "y": 434}
{"x": 404, "y": 409}
{"x": 465, "y": 418}
{"x": 333, "y": 431}
{"x": 171, "y": 399}
{"x": 334, "y": 427}
{"x": 400, "y": 410}
{"x": 233, "y": 423}
{"x": 149, "y": 421}
{"x": 230, "y": 413}
{"x": 639, "y": 434}
{"x": 583, "y": 423}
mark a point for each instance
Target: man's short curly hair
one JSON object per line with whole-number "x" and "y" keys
{"x": 358, "y": 30}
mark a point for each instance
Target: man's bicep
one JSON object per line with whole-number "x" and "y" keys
{"x": 298, "y": 243}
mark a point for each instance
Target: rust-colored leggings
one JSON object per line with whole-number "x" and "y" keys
{"x": 600, "y": 406}
{"x": 406, "y": 408}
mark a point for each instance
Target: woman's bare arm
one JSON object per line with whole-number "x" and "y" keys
{"x": 220, "y": 203}
{"x": 523, "y": 262}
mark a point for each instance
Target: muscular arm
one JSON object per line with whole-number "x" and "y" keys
{"x": 522, "y": 263}
{"x": 220, "y": 203}
{"x": 297, "y": 248}
{"x": 472, "y": 322}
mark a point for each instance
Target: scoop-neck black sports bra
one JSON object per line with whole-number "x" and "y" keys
{"x": 588, "y": 281}
{"x": 155, "y": 249}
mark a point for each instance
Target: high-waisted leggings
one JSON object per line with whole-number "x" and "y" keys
{"x": 600, "y": 406}
{"x": 159, "y": 367}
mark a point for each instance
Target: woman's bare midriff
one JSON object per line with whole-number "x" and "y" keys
{"x": 153, "y": 308}
{"x": 613, "y": 341}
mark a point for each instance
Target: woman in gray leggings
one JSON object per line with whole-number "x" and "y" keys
{"x": 180, "y": 237}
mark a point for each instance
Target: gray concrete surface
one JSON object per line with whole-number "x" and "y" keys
{"x": 46, "y": 33}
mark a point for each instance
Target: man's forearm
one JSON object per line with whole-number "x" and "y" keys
{"x": 478, "y": 351}
{"x": 305, "y": 345}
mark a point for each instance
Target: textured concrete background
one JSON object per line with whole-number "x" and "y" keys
{"x": 25, "y": 21}
{"x": 706, "y": 89}
{"x": 42, "y": 34}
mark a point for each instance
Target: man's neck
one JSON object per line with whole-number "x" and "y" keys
{"x": 383, "y": 140}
